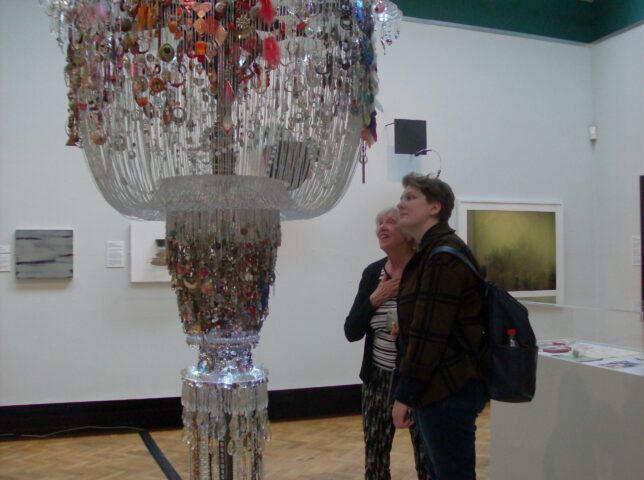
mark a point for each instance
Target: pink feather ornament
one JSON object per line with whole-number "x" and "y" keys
{"x": 267, "y": 11}
{"x": 271, "y": 51}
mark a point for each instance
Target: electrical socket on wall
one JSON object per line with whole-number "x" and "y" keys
{"x": 592, "y": 133}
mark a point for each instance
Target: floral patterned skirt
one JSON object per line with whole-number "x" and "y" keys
{"x": 379, "y": 428}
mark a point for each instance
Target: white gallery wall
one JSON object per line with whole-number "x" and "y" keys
{"x": 617, "y": 163}
{"x": 508, "y": 115}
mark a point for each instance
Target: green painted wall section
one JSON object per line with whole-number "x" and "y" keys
{"x": 614, "y": 15}
{"x": 574, "y": 20}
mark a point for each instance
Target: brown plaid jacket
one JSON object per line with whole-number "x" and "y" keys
{"x": 440, "y": 307}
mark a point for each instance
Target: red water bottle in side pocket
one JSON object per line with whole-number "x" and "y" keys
{"x": 512, "y": 338}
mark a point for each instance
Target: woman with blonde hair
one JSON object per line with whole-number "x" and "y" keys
{"x": 373, "y": 317}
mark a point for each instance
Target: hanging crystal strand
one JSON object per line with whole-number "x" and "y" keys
{"x": 204, "y": 457}
{"x": 363, "y": 158}
{"x": 204, "y": 454}
{"x": 193, "y": 462}
{"x": 236, "y": 465}
{"x": 215, "y": 471}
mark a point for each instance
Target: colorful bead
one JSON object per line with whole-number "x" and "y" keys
{"x": 166, "y": 52}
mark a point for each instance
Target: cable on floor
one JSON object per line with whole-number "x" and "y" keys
{"x": 166, "y": 467}
{"x": 68, "y": 430}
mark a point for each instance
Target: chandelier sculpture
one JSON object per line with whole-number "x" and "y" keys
{"x": 221, "y": 117}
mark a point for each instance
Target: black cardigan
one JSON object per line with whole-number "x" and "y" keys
{"x": 357, "y": 323}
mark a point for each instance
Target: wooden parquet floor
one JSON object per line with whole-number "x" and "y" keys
{"x": 320, "y": 449}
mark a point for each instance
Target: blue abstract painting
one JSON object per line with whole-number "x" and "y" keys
{"x": 44, "y": 254}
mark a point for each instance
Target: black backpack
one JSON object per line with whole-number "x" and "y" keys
{"x": 512, "y": 372}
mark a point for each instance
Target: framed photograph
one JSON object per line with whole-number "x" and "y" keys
{"x": 641, "y": 239}
{"x": 519, "y": 245}
{"x": 147, "y": 252}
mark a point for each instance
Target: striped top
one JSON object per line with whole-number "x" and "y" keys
{"x": 384, "y": 347}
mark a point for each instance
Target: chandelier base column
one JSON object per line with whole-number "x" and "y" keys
{"x": 225, "y": 412}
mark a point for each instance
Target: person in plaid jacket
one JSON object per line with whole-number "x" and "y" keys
{"x": 440, "y": 313}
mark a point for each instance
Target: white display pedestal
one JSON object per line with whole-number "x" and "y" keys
{"x": 584, "y": 423}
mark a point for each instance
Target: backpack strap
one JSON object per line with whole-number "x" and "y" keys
{"x": 458, "y": 334}
{"x": 452, "y": 251}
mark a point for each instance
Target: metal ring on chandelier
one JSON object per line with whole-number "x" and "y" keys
{"x": 178, "y": 115}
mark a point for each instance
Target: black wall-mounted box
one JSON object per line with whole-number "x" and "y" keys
{"x": 410, "y": 136}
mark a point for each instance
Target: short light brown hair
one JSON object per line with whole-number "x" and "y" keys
{"x": 435, "y": 190}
